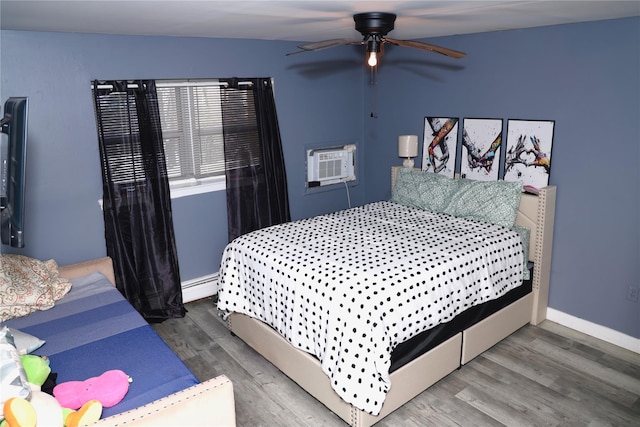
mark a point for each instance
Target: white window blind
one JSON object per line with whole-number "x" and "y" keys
{"x": 191, "y": 121}
{"x": 119, "y": 126}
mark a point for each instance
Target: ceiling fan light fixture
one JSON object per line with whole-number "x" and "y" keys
{"x": 374, "y": 27}
{"x": 372, "y": 60}
{"x": 373, "y": 48}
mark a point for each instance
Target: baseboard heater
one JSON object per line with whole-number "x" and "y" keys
{"x": 200, "y": 287}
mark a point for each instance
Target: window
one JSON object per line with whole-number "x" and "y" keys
{"x": 191, "y": 121}
{"x": 120, "y": 127}
{"x": 194, "y": 129}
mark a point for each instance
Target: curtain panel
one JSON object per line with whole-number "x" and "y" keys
{"x": 256, "y": 181}
{"x": 136, "y": 200}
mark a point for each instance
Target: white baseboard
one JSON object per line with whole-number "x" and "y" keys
{"x": 198, "y": 288}
{"x": 597, "y": 331}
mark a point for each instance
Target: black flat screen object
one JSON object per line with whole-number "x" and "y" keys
{"x": 13, "y": 159}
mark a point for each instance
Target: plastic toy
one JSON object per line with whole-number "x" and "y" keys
{"x": 36, "y": 367}
{"x": 43, "y": 409}
{"x": 108, "y": 389}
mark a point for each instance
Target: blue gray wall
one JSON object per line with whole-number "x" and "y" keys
{"x": 583, "y": 76}
{"x": 318, "y": 103}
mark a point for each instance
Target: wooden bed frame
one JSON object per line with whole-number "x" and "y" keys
{"x": 534, "y": 212}
{"x": 103, "y": 265}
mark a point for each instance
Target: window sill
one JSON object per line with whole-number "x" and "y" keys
{"x": 190, "y": 190}
{"x": 203, "y": 187}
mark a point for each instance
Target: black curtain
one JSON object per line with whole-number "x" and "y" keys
{"x": 136, "y": 200}
{"x": 255, "y": 172}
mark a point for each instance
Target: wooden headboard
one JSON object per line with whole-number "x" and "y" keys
{"x": 537, "y": 213}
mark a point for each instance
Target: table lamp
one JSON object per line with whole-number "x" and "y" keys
{"x": 408, "y": 148}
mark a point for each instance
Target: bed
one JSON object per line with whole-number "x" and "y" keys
{"x": 257, "y": 312}
{"x": 92, "y": 329}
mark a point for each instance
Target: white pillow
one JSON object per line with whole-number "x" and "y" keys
{"x": 24, "y": 342}
{"x": 13, "y": 379}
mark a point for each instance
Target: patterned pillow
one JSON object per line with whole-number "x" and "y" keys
{"x": 406, "y": 190}
{"x": 423, "y": 190}
{"x": 495, "y": 202}
{"x": 27, "y": 285}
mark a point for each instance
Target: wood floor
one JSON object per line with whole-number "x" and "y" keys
{"x": 540, "y": 376}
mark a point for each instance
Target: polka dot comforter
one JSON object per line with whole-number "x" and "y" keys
{"x": 351, "y": 285}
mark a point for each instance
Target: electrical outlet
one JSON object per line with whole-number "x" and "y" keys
{"x": 632, "y": 294}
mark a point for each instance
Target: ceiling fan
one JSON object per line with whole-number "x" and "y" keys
{"x": 374, "y": 27}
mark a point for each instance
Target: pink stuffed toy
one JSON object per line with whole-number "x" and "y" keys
{"x": 109, "y": 389}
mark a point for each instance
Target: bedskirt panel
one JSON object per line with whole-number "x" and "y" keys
{"x": 93, "y": 329}
{"x": 426, "y": 340}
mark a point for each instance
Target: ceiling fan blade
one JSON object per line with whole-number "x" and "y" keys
{"x": 325, "y": 44}
{"x": 426, "y": 46}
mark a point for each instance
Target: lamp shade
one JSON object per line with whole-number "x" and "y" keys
{"x": 407, "y": 146}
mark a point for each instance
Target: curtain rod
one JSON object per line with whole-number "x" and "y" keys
{"x": 165, "y": 83}
{"x": 168, "y": 83}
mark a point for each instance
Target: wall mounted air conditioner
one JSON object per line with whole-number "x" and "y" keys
{"x": 330, "y": 165}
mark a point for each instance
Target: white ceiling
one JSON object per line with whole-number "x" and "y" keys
{"x": 298, "y": 20}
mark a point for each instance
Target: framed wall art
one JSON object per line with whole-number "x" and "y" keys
{"x": 528, "y": 157}
{"x": 481, "y": 142}
{"x": 439, "y": 145}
